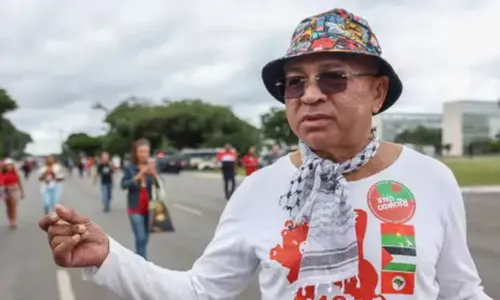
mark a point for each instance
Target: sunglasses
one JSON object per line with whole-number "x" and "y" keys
{"x": 328, "y": 83}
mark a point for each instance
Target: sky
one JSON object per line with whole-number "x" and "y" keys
{"x": 57, "y": 58}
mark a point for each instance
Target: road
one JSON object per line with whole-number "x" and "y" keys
{"x": 28, "y": 273}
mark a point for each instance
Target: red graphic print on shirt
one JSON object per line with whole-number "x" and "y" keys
{"x": 289, "y": 255}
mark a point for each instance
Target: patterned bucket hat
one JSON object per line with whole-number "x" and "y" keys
{"x": 334, "y": 31}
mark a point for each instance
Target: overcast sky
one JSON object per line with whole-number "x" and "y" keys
{"x": 58, "y": 57}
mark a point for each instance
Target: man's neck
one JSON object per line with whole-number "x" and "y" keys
{"x": 386, "y": 155}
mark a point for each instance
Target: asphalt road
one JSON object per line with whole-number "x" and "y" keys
{"x": 28, "y": 273}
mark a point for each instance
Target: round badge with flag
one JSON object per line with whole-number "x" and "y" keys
{"x": 391, "y": 202}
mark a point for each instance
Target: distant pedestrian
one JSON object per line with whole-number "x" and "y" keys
{"x": 227, "y": 159}
{"x": 13, "y": 188}
{"x": 138, "y": 179}
{"x": 274, "y": 155}
{"x": 51, "y": 176}
{"x": 105, "y": 171}
{"x": 250, "y": 161}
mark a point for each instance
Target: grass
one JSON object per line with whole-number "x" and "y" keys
{"x": 481, "y": 170}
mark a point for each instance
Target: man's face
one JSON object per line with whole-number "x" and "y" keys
{"x": 227, "y": 147}
{"x": 341, "y": 113}
{"x": 104, "y": 157}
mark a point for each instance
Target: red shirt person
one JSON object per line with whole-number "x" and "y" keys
{"x": 250, "y": 161}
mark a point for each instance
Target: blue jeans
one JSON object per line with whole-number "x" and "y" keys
{"x": 140, "y": 228}
{"x": 51, "y": 197}
{"x": 106, "y": 190}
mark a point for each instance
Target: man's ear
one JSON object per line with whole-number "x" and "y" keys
{"x": 381, "y": 86}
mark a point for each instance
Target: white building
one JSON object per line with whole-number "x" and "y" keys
{"x": 465, "y": 122}
{"x": 390, "y": 125}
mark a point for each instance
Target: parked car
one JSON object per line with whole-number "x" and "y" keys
{"x": 171, "y": 162}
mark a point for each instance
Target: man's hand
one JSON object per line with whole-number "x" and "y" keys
{"x": 74, "y": 240}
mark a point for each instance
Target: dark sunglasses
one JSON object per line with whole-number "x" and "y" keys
{"x": 327, "y": 82}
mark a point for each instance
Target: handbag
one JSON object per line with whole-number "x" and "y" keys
{"x": 159, "y": 215}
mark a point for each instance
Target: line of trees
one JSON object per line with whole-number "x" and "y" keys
{"x": 189, "y": 123}
{"x": 13, "y": 141}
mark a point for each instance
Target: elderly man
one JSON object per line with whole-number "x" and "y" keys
{"x": 345, "y": 217}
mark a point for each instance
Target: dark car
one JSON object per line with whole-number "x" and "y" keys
{"x": 171, "y": 162}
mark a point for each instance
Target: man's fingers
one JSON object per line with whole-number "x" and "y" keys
{"x": 65, "y": 230}
{"x": 48, "y": 220}
{"x": 65, "y": 247}
{"x": 69, "y": 215}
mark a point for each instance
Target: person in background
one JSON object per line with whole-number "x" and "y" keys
{"x": 13, "y": 188}
{"x": 51, "y": 177}
{"x": 250, "y": 161}
{"x": 275, "y": 155}
{"x": 116, "y": 160}
{"x": 90, "y": 166}
{"x": 138, "y": 179}
{"x": 105, "y": 171}
{"x": 227, "y": 159}
{"x": 81, "y": 167}
{"x": 69, "y": 165}
{"x": 26, "y": 167}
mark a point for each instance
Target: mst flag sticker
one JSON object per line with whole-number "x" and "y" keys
{"x": 399, "y": 258}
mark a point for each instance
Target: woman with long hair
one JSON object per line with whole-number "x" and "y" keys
{"x": 51, "y": 175}
{"x": 13, "y": 188}
{"x": 138, "y": 179}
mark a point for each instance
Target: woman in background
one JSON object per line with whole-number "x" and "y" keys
{"x": 51, "y": 176}
{"x": 138, "y": 179}
{"x": 13, "y": 188}
{"x": 250, "y": 161}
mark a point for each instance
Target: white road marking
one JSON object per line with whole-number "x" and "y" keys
{"x": 64, "y": 285}
{"x": 188, "y": 209}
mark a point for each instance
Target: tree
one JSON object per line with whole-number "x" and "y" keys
{"x": 13, "y": 141}
{"x": 83, "y": 143}
{"x": 422, "y": 136}
{"x": 275, "y": 126}
{"x": 7, "y": 103}
{"x": 189, "y": 123}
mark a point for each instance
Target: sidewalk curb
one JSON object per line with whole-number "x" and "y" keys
{"x": 489, "y": 189}
{"x": 480, "y": 189}
{"x": 210, "y": 174}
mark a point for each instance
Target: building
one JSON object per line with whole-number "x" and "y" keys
{"x": 390, "y": 125}
{"x": 466, "y": 122}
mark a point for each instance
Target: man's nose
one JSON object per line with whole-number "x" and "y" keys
{"x": 312, "y": 93}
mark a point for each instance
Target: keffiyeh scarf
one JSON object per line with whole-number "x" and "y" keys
{"x": 318, "y": 196}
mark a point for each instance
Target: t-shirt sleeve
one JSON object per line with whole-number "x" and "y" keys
{"x": 456, "y": 272}
{"x": 222, "y": 272}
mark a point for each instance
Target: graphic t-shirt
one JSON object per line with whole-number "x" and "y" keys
{"x": 227, "y": 160}
{"x": 105, "y": 171}
{"x": 410, "y": 230}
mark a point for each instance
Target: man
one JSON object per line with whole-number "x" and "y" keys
{"x": 250, "y": 161}
{"x": 105, "y": 171}
{"x": 345, "y": 217}
{"x": 274, "y": 155}
{"x": 227, "y": 159}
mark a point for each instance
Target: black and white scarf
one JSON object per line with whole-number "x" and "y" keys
{"x": 318, "y": 196}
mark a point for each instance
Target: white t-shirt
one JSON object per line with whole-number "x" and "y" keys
{"x": 51, "y": 181}
{"x": 410, "y": 229}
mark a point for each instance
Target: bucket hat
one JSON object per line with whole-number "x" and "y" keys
{"x": 334, "y": 31}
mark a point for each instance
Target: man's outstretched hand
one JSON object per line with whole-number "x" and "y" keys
{"x": 74, "y": 240}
